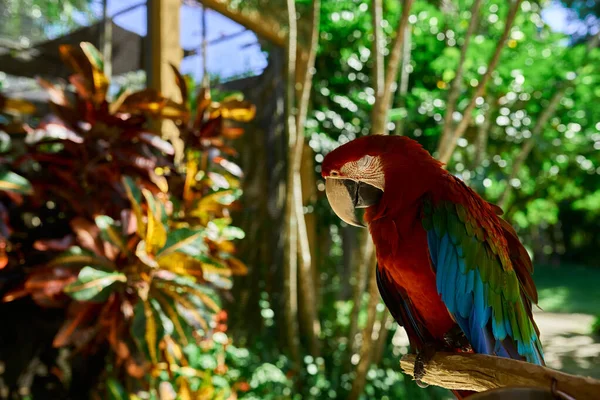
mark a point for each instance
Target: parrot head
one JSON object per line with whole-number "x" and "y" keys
{"x": 369, "y": 170}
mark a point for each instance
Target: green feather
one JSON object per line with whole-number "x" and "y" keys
{"x": 439, "y": 221}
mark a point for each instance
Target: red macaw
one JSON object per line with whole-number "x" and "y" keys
{"x": 450, "y": 270}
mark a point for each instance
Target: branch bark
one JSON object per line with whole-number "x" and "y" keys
{"x": 529, "y": 143}
{"x": 404, "y": 77}
{"x": 264, "y": 26}
{"x": 484, "y": 133}
{"x": 378, "y": 47}
{"x": 305, "y": 271}
{"x": 479, "y": 373}
{"x": 291, "y": 243}
{"x": 446, "y": 151}
{"x": 457, "y": 82}
{"x": 362, "y": 268}
{"x": 366, "y": 351}
{"x": 382, "y": 102}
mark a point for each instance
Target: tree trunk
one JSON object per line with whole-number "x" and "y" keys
{"x": 303, "y": 85}
{"x": 291, "y": 244}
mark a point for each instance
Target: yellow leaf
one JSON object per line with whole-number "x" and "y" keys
{"x": 156, "y": 233}
{"x": 190, "y": 180}
{"x": 19, "y": 106}
{"x": 185, "y": 392}
{"x": 237, "y": 267}
{"x": 151, "y": 332}
{"x": 236, "y": 110}
{"x": 180, "y": 264}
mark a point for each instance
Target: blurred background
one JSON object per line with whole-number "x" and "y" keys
{"x": 164, "y": 230}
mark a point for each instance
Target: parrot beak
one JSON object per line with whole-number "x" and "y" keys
{"x": 346, "y": 195}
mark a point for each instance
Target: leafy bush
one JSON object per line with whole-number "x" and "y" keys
{"x": 104, "y": 218}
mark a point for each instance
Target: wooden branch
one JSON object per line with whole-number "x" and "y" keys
{"x": 382, "y": 103}
{"x": 457, "y": 81}
{"x": 403, "y": 80}
{"x": 479, "y": 372}
{"x": 264, "y": 27}
{"x": 448, "y": 147}
{"x": 378, "y": 47}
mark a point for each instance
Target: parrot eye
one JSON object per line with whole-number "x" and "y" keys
{"x": 334, "y": 173}
{"x": 365, "y": 161}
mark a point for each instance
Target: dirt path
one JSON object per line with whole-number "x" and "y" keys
{"x": 568, "y": 346}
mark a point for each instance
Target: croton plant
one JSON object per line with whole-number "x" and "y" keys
{"x": 140, "y": 245}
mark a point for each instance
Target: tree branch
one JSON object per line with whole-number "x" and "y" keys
{"x": 457, "y": 81}
{"x": 263, "y": 26}
{"x": 404, "y": 77}
{"x": 382, "y": 103}
{"x": 478, "y": 372}
{"x": 448, "y": 148}
{"x": 291, "y": 228}
{"x": 378, "y": 46}
{"x": 305, "y": 270}
{"x": 529, "y": 143}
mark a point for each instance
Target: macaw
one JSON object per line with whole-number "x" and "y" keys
{"x": 451, "y": 271}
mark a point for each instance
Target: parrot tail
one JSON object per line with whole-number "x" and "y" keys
{"x": 462, "y": 394}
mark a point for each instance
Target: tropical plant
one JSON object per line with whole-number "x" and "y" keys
{"x": 143, "y": 244}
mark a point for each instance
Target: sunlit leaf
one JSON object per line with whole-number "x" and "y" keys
{"x": 157, "y": 142}
{"x": 76, "y": 256}
{"x": 93, "y": 55}
{"x": 156, "y": 234}
{"x": 9, "y": 181}
{"x": 110, "y": 233}
{"x": 236, "y": 110}
{"x": 181, "y": 264}
{"x": 180, "y": 83}
{"x": 94, "y": 284}
{"x": 18, "y": 106}
{"x": 185, "y": 240}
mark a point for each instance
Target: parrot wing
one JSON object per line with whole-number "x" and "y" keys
{"x": 483, "y": 273}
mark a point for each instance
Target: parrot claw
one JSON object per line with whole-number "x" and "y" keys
{"x": 456, "y": 339}
{"x": 423, "y": 357}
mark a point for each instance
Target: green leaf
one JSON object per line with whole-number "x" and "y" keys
{"x": 77, "y": 257}
{"x": 115, "y": 391}
{"x": 93, "y": 55}
{"x": 11, "y": 182}
{"x": 147, "y": 328}
{"x": 109, "y": 233}
{"x": 94, "y": 284}
{"x": 187, "y": 241}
